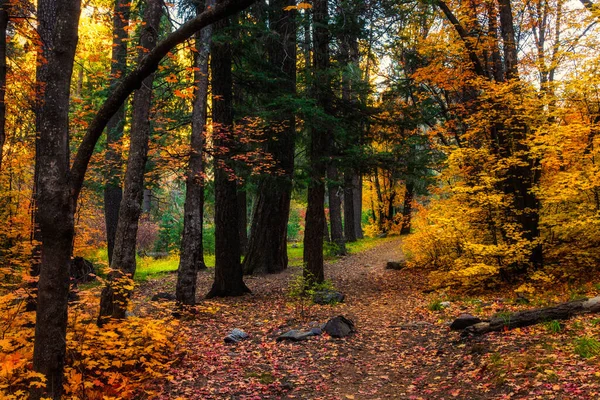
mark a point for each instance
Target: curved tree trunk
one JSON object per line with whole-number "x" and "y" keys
{"x": 228, "y": 268}
{"x": 192, "y": 249}
{"x": 407, "y": 208}
{"x": 115, "y": 295}
{"x": 113, "y": 193}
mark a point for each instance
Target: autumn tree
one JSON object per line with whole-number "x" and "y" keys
{"x": 191, "y": 254}
{"x": 113, "y": 191}
{"x": 115, "y": 295}
{"x": 59, "y": 183}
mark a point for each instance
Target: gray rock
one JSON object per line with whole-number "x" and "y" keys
{"x": 339, "y": 327}
{"x": 317, "y": 331}
{"x": 445, "y": 304}
{"x": 236, "y": 336}
{"x": 463, "y": 321}
{"x": 295, "y": 335}
{"x": 328, "y": 297}
{"x": 395, "y": 265}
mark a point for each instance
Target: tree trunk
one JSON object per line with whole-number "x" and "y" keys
{"x": 192, "y": 250}
{"x": 536, "y": 316}
{"x": 113, "y": 193}
{"x": 115, "y": 295}
{"x": 349, "y": 212}
{"x": 228, "y": 269}
{"x": 315, "y": 212}
{"x": 335, "y": 209}
{"x": 4, "y": 5}
{"x": 267, "y": 248}
{"x": 407, "y": 208}
{"x": 357, "y": 180}
{"x": 57, "y": 28}
{"x": 242, "y": 207}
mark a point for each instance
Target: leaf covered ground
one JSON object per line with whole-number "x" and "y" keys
{"x": 403, "y": 348}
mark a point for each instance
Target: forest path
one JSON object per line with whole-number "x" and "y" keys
{"x": 402, "y": 350}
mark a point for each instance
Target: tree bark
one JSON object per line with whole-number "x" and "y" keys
{"x": 349, "y": 212}
{"x": 4, "y": 17}
{"x": 407, "y": 208}
{"x": 335, "y": 209}
{"x": 357, "y": 192}
{"x": 192, "y": 250}
{"x": 113, "y": 192}
{"x": 242, "y": 207}
{"x": 57, "y": 28}
{"x": 315, "y": 212}
{"x": 267, "y": 247}
{"x": 536, "y": 316}
{"x": 228, "y": 268}
{"x": 115, "y": 295}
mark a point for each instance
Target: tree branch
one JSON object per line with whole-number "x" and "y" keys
{"x": 462, "y": 33}
{"x": 134, "y": 79}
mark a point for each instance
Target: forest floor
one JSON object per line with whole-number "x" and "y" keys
{"x": 403, "y": 348}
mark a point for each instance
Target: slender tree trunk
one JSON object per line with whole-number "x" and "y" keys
{"x": 4, "y": 5}
{"x": 192, "y": 249}
{"x": 57, "y": 28}
{"x": 349, "y": 213}
{"x": 315, "y": 212}
{"x": 335, "y": 209}
{"x": 113, "y": 193}
{"x": 228, "y": 269}
{"x": 407, "y": 208}
{"x": 357, "y": 192}
{"x": 242, "y": 207}
{"x": 115, "y": 295}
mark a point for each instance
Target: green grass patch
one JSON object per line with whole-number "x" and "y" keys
{"x": 587, "y": 347}
{"x": 435, "y": 305}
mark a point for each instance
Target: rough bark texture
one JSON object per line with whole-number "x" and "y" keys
{"x": 57, "y": 27}
{"x": 358, "y": 189}
{"x": 267, "y": 247}
{"x": 349, "y": 212}
{"x": 536, "y": 316}
{"x": 228, "y": 268}
{"x": 4, "y": 4}
{"x": 113, "y": 192}
{"x": 242, "y": 207}
{"x": 192, "y": 250}
{"x": 335, "y": 191}
{"x": 115, "y": 296}
{"x": 315, "y": 212}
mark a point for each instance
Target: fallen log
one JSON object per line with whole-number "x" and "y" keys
{"x": 536, "y": 316}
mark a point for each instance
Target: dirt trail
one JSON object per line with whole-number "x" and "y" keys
{"x": 402, "y": 350}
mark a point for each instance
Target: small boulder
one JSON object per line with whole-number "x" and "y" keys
{"x": 445, "y": 304}
{"x": 235, "y": 336}
{"x": 339, "y": 327}
{"x": 164, "y": 296}
{"x": 295, "y": 335}
{"x": 464, "y": 321}
{"x": 328, "y": 297}
{"x": 395, "y": 265}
